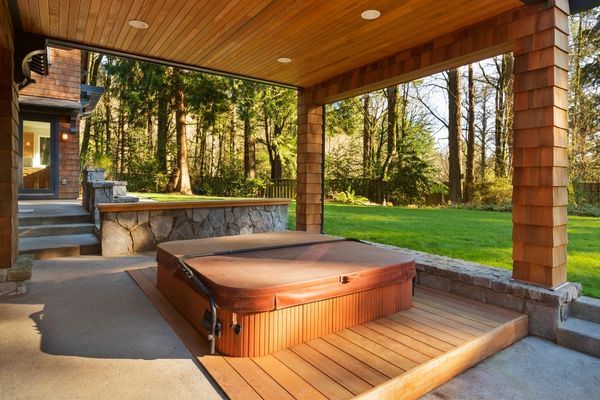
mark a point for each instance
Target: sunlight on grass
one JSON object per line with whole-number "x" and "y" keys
{"x": 480, "y": 236}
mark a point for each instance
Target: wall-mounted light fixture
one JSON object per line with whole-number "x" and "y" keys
{"x": 65, "y": 136}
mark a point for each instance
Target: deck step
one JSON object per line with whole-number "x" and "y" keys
{"x": 30, "y": 220}
{"x": 586, "y": 308}
{"x": 580, "y": 335}
{"x": 60, "y": 245}
{"x": 55, "y": 230}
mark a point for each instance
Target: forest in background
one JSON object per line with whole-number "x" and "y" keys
{"x": 165, "y": 129}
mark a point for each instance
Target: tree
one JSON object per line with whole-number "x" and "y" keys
{"x": 183, "y": 184}
{"x": 454, "y": 131}
{"x": 470, "y": 165}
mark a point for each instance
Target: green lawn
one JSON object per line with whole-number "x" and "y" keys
{"x": 480, "y": 236}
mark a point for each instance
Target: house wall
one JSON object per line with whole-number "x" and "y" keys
{"x": 68, "y": 160}
{"x": 64, "y": 79}
{"x": 9, "y": 133}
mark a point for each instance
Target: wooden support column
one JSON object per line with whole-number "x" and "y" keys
{"x": 540, "y": 148}
{"x": 9, "y": 134}
{"x": 310, "y": 165}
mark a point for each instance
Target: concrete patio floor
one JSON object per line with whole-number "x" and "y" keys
{"x": 85, "y": 330}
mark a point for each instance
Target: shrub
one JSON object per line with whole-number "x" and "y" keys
{"x": 496, "y": 191}
{"x": 349, "y": 197}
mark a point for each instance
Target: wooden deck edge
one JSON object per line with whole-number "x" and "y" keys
{"x": 232, "y": 384}
{"x": 428, "y": 376}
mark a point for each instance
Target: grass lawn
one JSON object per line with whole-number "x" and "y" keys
{"x": 480, "y": 236}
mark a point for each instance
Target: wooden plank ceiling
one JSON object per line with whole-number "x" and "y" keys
{"x": 245, "y": 37}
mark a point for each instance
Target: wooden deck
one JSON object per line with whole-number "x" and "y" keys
{"x": 404, "y": 355}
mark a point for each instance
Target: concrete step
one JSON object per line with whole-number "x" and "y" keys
{"x": 31, "y": 220}
{"x": 55, "y": 230}
{"x": 580, "y": 335}
{"x": 59, "y": 246}
{"x": 586, "y": 308}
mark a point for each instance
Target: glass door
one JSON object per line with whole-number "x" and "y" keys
{"x": 38, "y": 156}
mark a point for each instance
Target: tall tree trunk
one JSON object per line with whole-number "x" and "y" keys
{"x": 232, "y": 137}
{"x": 469, "y": 173}
{"x": 366, "y": 156}
{"x": 183, "y": 185}
{"x": 162, "y": 132}
{"x": 454, "y": 131}
{"x": 392, "y": 96}
{"x": 507, "y": 112}
{"x": 249, "y": 150}
{"x": 92, "y": 79}
{"x": 484, "y": 117}
{"x": 122, "y": 140}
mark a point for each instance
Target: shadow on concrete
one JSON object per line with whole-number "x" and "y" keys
{"x": 92, "y": 308}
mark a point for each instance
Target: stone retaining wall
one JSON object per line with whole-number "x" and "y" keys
{"x": 546, "y": 308}
{"x": 135, "y": 231}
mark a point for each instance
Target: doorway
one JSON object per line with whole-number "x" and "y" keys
{"x": 38, "y": 157}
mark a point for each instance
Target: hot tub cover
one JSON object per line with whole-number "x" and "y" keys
{"x": 263, "y": 280}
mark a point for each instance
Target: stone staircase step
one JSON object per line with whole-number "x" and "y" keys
{"x": 59, "y": 246}
{"x": 54, "y": 220}
{"x": 55, "y": 230}
{"x": 580, "y": 335}
{"x": 586, "y": 308}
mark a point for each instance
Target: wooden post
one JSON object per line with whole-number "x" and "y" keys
{"x": 310, "y": 165}
{"x": 9, "y": 139}
{"x": 540, "y": 148}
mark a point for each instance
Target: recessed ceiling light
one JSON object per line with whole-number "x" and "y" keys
{"x": 137, "y": 24}
{"x": 284, "y": 60}
{"x": 370, "y": 14}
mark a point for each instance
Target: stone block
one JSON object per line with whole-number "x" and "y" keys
{"x": 468, "y": 291}
{"x": 239, "y": 212}
{"x": 127, "y": 220}
{"x": 200, "y": 214}
{"x": 21, "y": 270}
{"x": 161, "y": 226}
{"x": 142, "y": 237}
{"x": 216, "y": 217}
{"x": 116, "y": 240}
{"x": 543, "y": 319}
{"x": 143, "y": 217}
{"x": 3, "y": 274}
{"x": 505, "y": 300}
{"x": 434, "y": 282}
{"x": 183, "y": 231}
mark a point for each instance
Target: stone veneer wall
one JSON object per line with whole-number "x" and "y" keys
{"x": 141, "y": 230}
{"x": 546, "y": 308}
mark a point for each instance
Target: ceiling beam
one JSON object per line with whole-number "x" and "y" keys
{"x": 486, "y": 39}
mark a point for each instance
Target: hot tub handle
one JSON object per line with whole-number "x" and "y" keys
{"x": 210, "y": 316}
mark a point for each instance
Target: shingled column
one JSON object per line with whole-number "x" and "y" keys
{"x": 540, "y": 147}
{"x": 310, "y": 165}
{"x": 9, "y": 138}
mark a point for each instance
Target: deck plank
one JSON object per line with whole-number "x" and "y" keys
{"x": 406, "y": 351}
{"x": 429, "y": 329}
{"x": 416, "y": 334}
{"x": 448, "y": 320}
{"x": 336, "y": 372}
{"x": 455, "y": 316}
{"x": 258, "y": 379}
{"x": 464, "y": 311}
{"x": 440, "y": 324}
{"x": 381, "y": 365}
{"x": 503, "y": 313}
{"x": 420, "y": 347}
{"x": 359, "y": 368}
{"x": 288, "y": 379}
{"x": 323, "y": 383}
{"x": 376, "y": 348}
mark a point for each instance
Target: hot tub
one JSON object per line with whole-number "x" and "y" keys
{"x": 275, "y": 290}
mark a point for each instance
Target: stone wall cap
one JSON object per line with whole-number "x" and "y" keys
{"x": 101, "y": 184}
{"x": 182, "y": 205}
{"x": 497, "y": 279}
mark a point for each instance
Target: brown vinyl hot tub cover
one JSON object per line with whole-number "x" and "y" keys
{"x": 263, "y": 280}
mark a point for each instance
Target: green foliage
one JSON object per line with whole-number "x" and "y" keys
{"x": 493, "y": 191}
{"x": 101, "y": 160}
{"x": 231, "y": 183}
{"x": 349, "y": 197}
